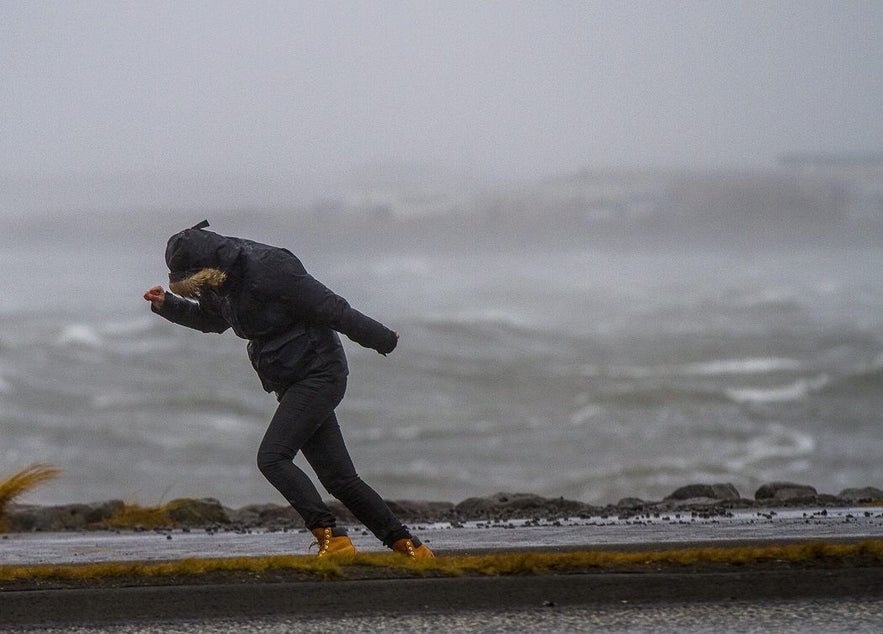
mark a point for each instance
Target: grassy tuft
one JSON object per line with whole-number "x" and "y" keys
{"x": 133, "y": 515}
{"x": 325, "y": 568}
{"x": 20, "y": 483}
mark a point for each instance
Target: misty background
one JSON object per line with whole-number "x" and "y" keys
{"x": 629, "y": 245}
{"x": 128, "y": 107}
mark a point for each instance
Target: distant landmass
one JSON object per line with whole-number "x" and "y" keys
{"x": 818, "y": 197}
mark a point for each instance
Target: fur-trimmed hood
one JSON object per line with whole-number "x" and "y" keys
{"x": 203, "y": 278}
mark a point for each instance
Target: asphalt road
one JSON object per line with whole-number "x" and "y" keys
{"x": 798, "y": 616}
{"x": 426, "y": 603}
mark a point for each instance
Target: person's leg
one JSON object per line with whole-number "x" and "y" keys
{"x": 302, "y": 409}
{"x": 326, "y": 452}
{"x": 305, "y": 421}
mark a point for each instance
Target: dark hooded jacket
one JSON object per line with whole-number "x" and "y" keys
{"x": 288, "y": 317}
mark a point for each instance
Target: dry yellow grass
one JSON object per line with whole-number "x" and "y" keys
{"x": 868, "y": 552}
{"x": 134, "y": 515}
{"x": 20, "y": 483}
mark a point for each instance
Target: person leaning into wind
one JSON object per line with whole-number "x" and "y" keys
{"x": 291, "y": 322}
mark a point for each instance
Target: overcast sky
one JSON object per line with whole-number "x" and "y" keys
{"x": 299, "y": 91}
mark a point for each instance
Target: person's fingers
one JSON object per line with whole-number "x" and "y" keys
{"x": 155, "y": 296}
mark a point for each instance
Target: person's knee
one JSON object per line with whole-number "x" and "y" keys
{"x": 339, "y": 485}
{"x": 269, "y": 461}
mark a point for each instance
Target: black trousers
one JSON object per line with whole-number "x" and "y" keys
{"x": 305, "y": 421}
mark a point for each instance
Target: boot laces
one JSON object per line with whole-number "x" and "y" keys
{"x": 322, "y": 542}
{"x": 406, "y": 547}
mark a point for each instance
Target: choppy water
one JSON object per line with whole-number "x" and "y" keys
{"x": 582, "y": 372}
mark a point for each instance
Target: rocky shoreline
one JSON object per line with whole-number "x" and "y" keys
{"x": 210, "y": 514}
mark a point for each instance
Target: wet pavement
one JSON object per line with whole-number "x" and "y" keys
{"x": 803, "y": 616}
{"x": 664, "y": 530}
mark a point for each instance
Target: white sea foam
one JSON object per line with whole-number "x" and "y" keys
{"x": 584, "y": 414}
{"x": 718, "y": 367}
{"x": 491, "y": 316}
{"x": 792, "y": 392}
{"x": 80, "y": 335}
{"x": 129, "y": 327}
{"x": 751, "y": 365}
{"x": 106, "y": 400}
{"x": 228, "y": 423}
{"x": 776, "y": 442}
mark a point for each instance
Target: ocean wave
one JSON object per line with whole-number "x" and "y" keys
{"x": 751, "y": 365}
{"x": 773, "y": 297}
{"x": 137, "y": 336}
{"x": 796, "y": 391}
{"x": 714, "y": 368}
{"x": 478, "y": 319}
{"x": 79, "y": 335}
{"x": 654, "y": 395}
{"x": 775, "y": 443}
{"x": 128, "y": 327}
{"x": 764, "y": 451}
{"x": 96, "y": 335}
{"x": 585, "y": 414}
{"x": 191, "y": 402}
{"x": 866, "y": 379}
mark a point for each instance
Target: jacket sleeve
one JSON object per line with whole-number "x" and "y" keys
{"x": 189, "y": 313}
{"x": 323, "y": 306}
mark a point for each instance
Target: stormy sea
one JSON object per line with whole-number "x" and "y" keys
{"x": 548, "y": 364}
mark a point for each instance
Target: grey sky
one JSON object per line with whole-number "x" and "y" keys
{"x": 514, "y": 90}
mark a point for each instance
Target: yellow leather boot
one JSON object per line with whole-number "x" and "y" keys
{"x": 407, "y": 547}
{"x": 330, "y": 544}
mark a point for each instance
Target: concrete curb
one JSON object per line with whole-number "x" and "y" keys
{"x": 406, "y": 596}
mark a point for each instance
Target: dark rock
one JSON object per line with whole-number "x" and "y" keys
{"x": 61, "y": 518}
{"x": 863, "y": 495}
{"x": 826, "y": 499}
{"x": 103, "y": 511}
{"x": 64, "y": 517}
{"x": 707, "y": 491}
{"x": 481, "y": 507}
{"x": 785, "y": 492}
{"x": 270, "y": 516}
{"x": 631, "y": 504}
{"x": 418, "y": 511}
{"x": 517, "y": 505}
{"x": 196, "y": 512}
{"x": 19, "y": 518}
{"x": 499, "y": 507}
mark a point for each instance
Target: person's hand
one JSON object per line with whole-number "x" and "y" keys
{"x": 396, "y": 333}
{"x": 156, "y": 296}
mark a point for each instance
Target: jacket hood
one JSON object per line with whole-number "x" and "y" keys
{"x": 194, "y": 249}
